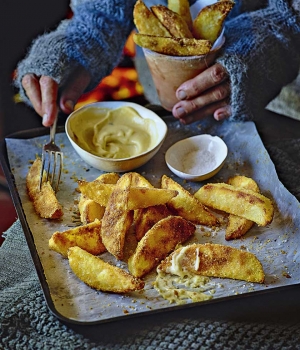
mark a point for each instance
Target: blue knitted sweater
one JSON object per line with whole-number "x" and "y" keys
{"x": 261, "y": 52}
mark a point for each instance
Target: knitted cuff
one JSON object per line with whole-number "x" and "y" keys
{"x": 261, "y": 56}
{"x": 47, "y": 57}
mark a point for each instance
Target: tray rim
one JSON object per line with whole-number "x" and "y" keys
{"x": 4, "y": 162}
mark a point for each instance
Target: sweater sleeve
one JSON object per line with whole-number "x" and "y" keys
{"x": 261, "y": 55}
{"x": 93, "y": 38}
{"x": 97, "y": 34}
{"x": 46, "y": 56}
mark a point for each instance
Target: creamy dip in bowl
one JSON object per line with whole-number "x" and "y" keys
{"x": 115, "y": 136}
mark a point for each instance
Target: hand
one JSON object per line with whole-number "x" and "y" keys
{"x": 207, "y": 94}
{"x": 43, "y": 93}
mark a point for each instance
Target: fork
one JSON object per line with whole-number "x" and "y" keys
{"x": 52, "y": 159}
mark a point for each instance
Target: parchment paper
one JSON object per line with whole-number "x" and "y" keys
{"x": 276, "y": 246}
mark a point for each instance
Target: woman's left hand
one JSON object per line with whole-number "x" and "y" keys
{"x": 208, "y": 94}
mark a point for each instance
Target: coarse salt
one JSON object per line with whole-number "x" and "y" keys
{"x": 198, "y": 162}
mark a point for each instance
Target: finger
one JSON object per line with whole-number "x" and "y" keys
{"x": 215, "y": 94}
{"x": 49, "y": 91}
{"x": 31, "y": 85}
{"x": 223, "y": 113}
{"x": 209, "y": 78}
{"x": 205, "y": 112}
{"x": 74, "y": 88}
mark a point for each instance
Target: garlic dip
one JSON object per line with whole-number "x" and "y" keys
{"x": 179, "y": 285}
{"x": 113, "y": 133}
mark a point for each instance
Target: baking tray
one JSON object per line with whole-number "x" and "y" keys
{"x": 72, "y": 301}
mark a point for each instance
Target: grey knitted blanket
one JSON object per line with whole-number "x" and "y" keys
{"x": 26, "y": 322}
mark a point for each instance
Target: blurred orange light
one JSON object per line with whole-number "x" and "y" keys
{"x": 121, "y": 84}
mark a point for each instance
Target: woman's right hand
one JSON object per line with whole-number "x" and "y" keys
{"x": 43, "y": 92}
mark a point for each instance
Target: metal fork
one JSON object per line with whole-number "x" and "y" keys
{"x": 52, "y": 160}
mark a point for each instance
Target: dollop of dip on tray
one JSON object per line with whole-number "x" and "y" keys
{"x": 112, "y": 133}
{"x": 179, "y": 285}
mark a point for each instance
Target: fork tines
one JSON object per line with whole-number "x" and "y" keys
{"x": 52, "y": 163}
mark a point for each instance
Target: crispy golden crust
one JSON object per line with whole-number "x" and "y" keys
{"x": 146, "y": 22}
{"x": 44, "y": 201}
{"x": 209, "y": 22}
{"x": 216, "y": 260}
{"x": 243, "y": 182}
{"x": 182, "y": 7}
{"x": 175, "y": 24}
{"x": 100, "y": 275}
{"x": 241, "y": 202}
{"x": 158, "y": 242}
{"x": 147, "y": 217}
{"x": 138, "y": 197}
{"x": 173, "y": 46}
{"x": 237, "y": 226}
{"x": 89, "y": 209}
{"x": 117, "y": 219}
{"x": 137, "y": 180}
{"x": 108, "y": 178}
{"x": 187, "y": 206}
{"x": 86, "y": 237}
{"x": 96, "y": 190}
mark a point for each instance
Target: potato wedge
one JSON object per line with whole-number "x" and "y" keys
{"x": 237, "y": 226}
{"x": 108, "y": 178}
{"x": 140, "y": 181}
{"x": 147, "y": 217}
{"x": 100, "y": 275}
{"x": 241, "y": 202}
{"x": 117, "y": 218}
{"x": 209, "y": 22}
{"x": 173, "y": 46}
{"x": 44, "y": 200}
{"x": 215, "y": 260}
{"x": 89, "y": 209}
{"x": 175, "y": 24}
{"x": 182, "y": 7}
{"x": 146, "y": 22}
{"x": 141, "y": 197}
{"x": 158, "y": 242}
{"x": 243, "y": 182}
{"x": 86, "y": 237}
{"x": 96, "y": 190}
{"x": 187, "y": 206}
{"x": 138, "y": 197}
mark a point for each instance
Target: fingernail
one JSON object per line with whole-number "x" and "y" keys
{"x": 179, "y": 112}
{"x": 69, "y": 104}
{"x": 45, "y": 119}
{"x": 181, "y": 95}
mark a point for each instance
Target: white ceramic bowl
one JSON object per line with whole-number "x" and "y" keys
{"x": 121, "y": 164}
{"x": 197, "y": 158}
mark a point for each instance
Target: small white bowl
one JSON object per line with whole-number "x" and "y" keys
{"x": 197, "y": 158}
{"x": 121, "y": 164}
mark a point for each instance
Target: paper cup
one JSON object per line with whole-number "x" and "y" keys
{"x": 169, "y": 72}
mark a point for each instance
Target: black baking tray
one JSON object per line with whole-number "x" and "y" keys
{"x": 37, "y": 262}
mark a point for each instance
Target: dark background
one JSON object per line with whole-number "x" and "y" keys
{"x": 20, "y": 22}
